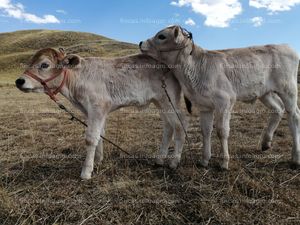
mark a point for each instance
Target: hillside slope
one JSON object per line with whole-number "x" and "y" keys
{"x": 17, "y": 47}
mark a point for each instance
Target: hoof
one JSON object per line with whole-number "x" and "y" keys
{"x": 294, "y": 166}
{"x": 159, "y": 162}
{"x": 222, "y": 169}
{"x": 86, "y": 176}
{"x": 224, "y": 166}
{"x": 266, "y": 146}
{"x": 174, "y": 164}
{"x": 98, "y": 161}
{"x": 204, "y": 163}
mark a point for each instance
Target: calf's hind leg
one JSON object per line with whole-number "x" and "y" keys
{"x": 290, "y": 103}
{"x": 223, "y": 115}
{"x": 274, "y": 103}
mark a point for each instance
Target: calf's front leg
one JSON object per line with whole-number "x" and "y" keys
{"x": 206, "y": 122}
{"x": 179, "y": 138}
{"x": 95, "y": 125}
{"x": 223, "y": 128}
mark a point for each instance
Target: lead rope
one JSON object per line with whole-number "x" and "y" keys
{"x": 73, "y": 117}
{"x": 164, "y": 86}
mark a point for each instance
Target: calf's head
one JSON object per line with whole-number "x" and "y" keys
{"x": 167, "y": 43}
{"x": 44, "y": 65}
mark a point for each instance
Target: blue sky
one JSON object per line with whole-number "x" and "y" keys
{"x": 216, "y": 24}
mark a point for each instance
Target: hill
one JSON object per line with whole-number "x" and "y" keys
{"x": 17, "y": 47}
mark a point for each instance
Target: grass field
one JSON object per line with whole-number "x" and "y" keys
{"x": 41, "y": 153}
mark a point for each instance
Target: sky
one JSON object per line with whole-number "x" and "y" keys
{"x": 215, "y": 24}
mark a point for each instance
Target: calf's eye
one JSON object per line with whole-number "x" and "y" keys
{"x": 44, "y": 65}
{"x": 161, "y": 37}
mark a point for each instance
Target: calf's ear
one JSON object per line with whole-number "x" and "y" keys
{"x": 176, "y": 31}
{"x": 177, "y": 35}
{"x": 71, "y": 61}
{"x": 62, "y": 50}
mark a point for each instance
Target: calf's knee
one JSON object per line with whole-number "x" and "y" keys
{"x": 90, "y": 141}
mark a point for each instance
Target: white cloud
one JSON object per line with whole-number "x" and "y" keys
{"x": 17, "y": 11}
{"x": 274, "y": 5}
{"x": 218, "y": 13}
{"x": 190, "y": 22}
{"x": 61, "y": 11}
{"x": 257, "y": 21}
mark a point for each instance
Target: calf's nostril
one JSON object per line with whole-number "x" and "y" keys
{"x": 20, "y": 82}
{"x": 140, "y": 44}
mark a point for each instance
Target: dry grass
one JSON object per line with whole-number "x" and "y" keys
{"x": 41, "y": 152}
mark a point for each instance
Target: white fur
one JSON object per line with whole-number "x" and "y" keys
{"x": 215, "y": 80}
{"x": 99, "y": 86}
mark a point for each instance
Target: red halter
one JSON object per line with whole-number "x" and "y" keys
{"x": 49, "y": 92}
